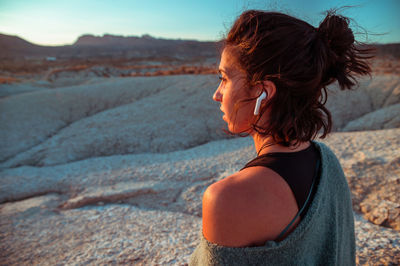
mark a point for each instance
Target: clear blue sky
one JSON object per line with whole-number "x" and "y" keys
{"x": 56, "y": 22}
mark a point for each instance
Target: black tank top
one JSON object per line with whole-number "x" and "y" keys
{"x": 296, "y": 168}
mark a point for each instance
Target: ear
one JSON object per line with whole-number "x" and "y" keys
{"x": 267, "y": 86}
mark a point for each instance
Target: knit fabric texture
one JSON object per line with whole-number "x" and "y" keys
{"x": 325, "y": 236}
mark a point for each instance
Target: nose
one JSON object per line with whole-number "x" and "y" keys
{"x": 217, "y": 94}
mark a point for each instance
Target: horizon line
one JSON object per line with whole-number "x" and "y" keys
{"x": 110, "y": 34}
{"x": 145, "y": 35}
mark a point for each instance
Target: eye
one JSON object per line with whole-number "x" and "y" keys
{"x": 221, "y": 78}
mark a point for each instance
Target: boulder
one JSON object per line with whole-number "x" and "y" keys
{"x": 386, "y": 117}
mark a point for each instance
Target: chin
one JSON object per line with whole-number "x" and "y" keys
{"x": 238, "y": 130}
{"x": 231, "y": 128}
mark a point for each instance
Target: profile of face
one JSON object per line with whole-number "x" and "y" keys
{"x": 231, "y": 90}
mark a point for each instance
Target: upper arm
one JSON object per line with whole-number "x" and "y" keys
{"x": 219, "y": 218}
{"x": 247, "y": 211}
{"x": 229, "y": 217}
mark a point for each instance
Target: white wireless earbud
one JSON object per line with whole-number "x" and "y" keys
{"x": 258, "y": 102}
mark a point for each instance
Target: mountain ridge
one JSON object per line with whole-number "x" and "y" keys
{"x": 107, "y": 45}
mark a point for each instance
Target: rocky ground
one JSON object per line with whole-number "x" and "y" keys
{"x": 112, "y": 170}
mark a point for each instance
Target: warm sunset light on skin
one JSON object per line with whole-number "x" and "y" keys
{"x": 55, "y": 23}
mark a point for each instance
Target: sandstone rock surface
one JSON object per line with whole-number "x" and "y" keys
{"x": 113, "y": 171}
{"x": 134, "y": 210}
{"x": 113, "y": 117}
{"x": 127, "y": 115}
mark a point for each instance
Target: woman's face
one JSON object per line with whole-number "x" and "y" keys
{"x": 231, "y": 90}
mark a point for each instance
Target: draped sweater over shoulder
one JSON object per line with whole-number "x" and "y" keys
{"x": 325, "y": 236}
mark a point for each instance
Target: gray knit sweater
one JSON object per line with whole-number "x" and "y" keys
{"x": 325, "y": 236}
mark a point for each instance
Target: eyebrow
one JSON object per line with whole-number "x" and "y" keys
{"x": 225, "y": 71}
{"x": 229, "y": 72}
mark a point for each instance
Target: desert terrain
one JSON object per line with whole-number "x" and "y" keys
{"x": 104, "y": 158}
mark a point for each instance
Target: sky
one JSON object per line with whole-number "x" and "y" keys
{"x": 59, "y": 22}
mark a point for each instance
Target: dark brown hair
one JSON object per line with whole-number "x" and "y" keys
{"x": 301, "y": 61}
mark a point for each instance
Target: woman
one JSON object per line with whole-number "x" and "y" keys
{"x": 291, "y": 204}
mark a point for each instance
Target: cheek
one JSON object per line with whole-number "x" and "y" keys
{"x": 230, "y": 104}
{"x": 233, "y": 95}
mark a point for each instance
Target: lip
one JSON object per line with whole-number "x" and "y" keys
{"x": 223, "y": 114}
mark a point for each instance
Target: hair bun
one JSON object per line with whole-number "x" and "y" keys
{"x": 343, "y": 59}
{"x": 334, "y": 30}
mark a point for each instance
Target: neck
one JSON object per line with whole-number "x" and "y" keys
{"x": 266, "y": 144}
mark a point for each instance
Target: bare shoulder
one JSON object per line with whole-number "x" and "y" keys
{"x": 247, "y": 208}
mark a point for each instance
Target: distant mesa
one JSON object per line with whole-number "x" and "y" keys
{"x": 88, "y": 45}
{"x": 8, "y": 42}
{"x": 105, "y": 40}
{"x": 123, "y": 41}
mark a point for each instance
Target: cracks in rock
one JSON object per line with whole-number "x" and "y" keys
{"x": 388, "y": 96}
{"x": 31, "y": 196}
{"x": 388, "y": 121}
{"x": 138, "y": 199}
{"x": 12, "y": 157}
{"x": 101, "y": 199}
{"x": 178, "y": 194}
